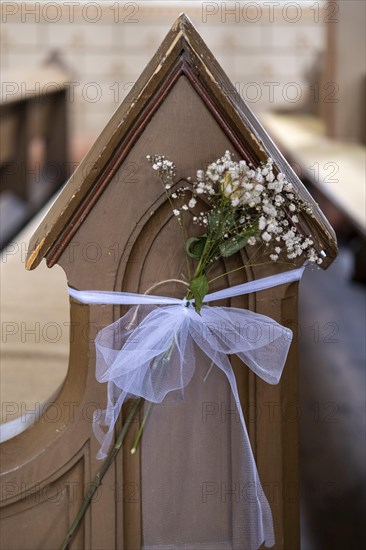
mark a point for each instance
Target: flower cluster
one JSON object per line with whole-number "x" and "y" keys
{"x": 247, "y": 206}
{"x": 166, "y": 169}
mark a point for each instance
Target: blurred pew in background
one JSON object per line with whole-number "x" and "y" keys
{"x": 343, "y": 91}
{"x": 334, "y": 170}
{"x": 34, "y": 142}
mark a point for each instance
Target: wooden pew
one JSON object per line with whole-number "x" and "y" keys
{"x": 33, "y": 156}
{"x": 335, "y": 170}
{"x": 47, "y": 469}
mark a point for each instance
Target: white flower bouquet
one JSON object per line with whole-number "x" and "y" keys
{"x": 245, "y": 206}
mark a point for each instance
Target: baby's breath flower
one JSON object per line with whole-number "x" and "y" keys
{"x": 271, "y": 227}
{"x": 262, "y": 222}
{"x": 244, "y": 198}
{"x": 270, "y": 210}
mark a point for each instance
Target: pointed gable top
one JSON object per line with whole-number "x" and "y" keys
{"x": 182, "y": 52}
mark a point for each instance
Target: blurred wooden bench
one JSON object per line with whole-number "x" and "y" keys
{"x": 33, "y": 137}
{"x": 335, "y": 171}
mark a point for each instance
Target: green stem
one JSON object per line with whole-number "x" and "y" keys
{"x": 244, "y": 267}
{"x": 164, "y": 360}
{"x": 141, "y": 429}
{"x": 100, "y": 475}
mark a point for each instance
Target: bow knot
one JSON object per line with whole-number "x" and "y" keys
{"x": 152, "y": 351}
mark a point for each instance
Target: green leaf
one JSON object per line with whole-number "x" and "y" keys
{"x": 194, "y": 246}
{"x": 199, "y": 289}
{"x": 234, "y": 244}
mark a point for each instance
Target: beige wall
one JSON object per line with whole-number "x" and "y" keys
{"x": 266, "y": 50}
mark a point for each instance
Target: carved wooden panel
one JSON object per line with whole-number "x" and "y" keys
{"x": 40, "y": 517}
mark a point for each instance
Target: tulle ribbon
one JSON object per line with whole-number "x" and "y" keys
{"x": 151, "y": 351}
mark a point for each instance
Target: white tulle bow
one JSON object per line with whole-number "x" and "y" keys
{"x": 152, "y": 350}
